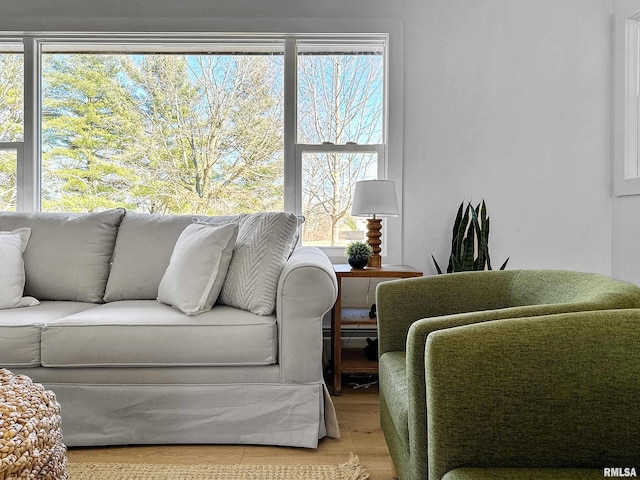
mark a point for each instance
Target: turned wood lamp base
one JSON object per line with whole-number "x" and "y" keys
{"x": 374, "y": 227}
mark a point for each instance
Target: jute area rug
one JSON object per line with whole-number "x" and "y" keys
{"x": 352, "y": 470}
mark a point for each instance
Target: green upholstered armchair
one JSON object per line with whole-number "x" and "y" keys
{"x": 410, "y": 311}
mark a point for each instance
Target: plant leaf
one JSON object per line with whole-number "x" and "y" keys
{"x": 469, "y": 247}
{"x": 476, "y": 233}
{"x": 437, "y": 266}
{"x": 459, "y": 227}
{"x": 456, "y": 266}
{"x": 483, "y": 246}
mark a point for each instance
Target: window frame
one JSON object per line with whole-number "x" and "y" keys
{"x": 16, "y": 45}
{"x": 626, "y": 111}
{"x": 294, "y": 200}
{"x": 29, "y": 188}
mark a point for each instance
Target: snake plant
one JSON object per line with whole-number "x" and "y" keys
{"x": 470, "y": 244}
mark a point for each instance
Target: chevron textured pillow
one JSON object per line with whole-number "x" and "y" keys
{"x": 262, "y": 248}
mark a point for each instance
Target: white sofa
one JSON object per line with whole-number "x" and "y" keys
{"x": 129, "y": 369}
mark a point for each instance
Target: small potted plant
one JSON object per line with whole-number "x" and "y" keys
{"x": 359, "y": 253}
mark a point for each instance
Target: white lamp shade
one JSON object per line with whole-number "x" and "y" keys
{"x": 375, "y": 197}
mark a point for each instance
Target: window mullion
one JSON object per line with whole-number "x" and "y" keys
{"x": 28, "y": 198}
{"x": 292, "y": 164}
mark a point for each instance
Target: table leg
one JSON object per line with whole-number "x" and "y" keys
{"x": 336, "y": 341}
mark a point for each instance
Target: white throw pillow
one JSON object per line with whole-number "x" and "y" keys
{"x": 198, "y": 267}
{"x": 12, "y": 277}
{"x": 265, "y": 241}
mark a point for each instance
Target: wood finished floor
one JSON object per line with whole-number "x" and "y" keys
{"x": 358, "y": 416}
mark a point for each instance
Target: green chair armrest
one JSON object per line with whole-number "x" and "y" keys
{"x": 402, "y": 302}
{"x": 541, "y": 392}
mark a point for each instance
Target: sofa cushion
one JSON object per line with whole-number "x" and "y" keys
{"x": 68, "y": 254}
{"x": 198, "y": 267}
{"x": 143, "y": 248}
{"x": 150, "y": 333}
{"x": 12, "y": 244}
{"x": 20, "y": 330}
{"x": 265, "y": 242}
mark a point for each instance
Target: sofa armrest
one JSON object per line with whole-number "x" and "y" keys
{"x": 307, "y": 289}
{"x": 551, "y": 391}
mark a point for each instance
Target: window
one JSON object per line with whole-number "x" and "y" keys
{"x": 208, "y": 124}
{"x": 340, "y": 134}
{"x": 627, "y": 99}
{"x": 162, "y": 129}
{"x": 11, "y": 121}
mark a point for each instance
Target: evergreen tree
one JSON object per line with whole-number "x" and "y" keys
{"x": 89, "y": 127}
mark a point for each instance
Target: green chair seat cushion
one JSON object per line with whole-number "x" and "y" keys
{"x": 392, "y": 371}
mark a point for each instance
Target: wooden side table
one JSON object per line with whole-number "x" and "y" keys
{"x": 353, "y": 360}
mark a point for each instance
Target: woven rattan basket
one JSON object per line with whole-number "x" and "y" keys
{"x": 31, "y": 443}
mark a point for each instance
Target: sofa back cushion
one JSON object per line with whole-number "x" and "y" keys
{"x": 142, "y": 252}
{"x": 68, "y": 254}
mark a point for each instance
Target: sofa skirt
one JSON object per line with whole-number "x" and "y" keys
{"x": 261, "y": 414}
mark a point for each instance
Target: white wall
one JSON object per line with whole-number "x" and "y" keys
{"x": 506, "y": 100}
{"x": 509, "y": 100}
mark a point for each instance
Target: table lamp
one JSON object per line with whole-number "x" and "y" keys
{"x": 375, "y": 198}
